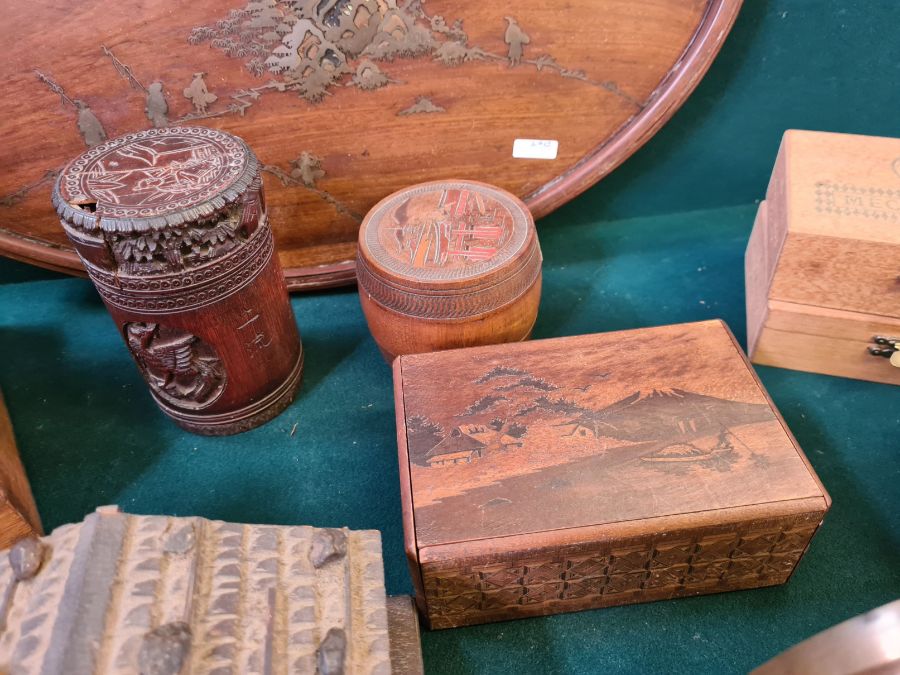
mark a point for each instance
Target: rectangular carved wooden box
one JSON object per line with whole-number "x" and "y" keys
{"x": 592, "y": 471}
{"x": 823, "y": 261}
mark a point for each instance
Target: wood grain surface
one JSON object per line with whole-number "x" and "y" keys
{"x": 821, "y": 269}
{"x": 821, "y": 340}
{"x": 863, "y": 644}
{"x": 403, "y": 631}
{"x": 589, "y": 477}
{"x": 448, "y": 264}
{"x": 18, "y": 513}
{"x": 171, "y": 226}
{"x": 569, "y": 432}
{"x": 345, "y": 101}
{"x": 758, "y": 269}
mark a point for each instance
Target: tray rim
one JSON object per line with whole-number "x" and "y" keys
{"x": 674, "y": 89}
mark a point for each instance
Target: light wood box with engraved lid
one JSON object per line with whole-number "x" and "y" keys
{"x": 448, "y": 264}
{"x": 597, "y": 470}
{"x": 823, "y": 261}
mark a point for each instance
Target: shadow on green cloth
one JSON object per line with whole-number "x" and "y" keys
{"x": 84, "y": 444}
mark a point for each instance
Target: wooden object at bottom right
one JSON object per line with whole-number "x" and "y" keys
{"x": 823, "y": 262}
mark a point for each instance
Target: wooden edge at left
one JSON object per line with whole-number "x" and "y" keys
{"x": 18, "y": 512}
{"x": 53, "y": 258}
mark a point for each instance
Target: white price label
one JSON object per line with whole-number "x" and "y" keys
{"x": 532, "y": 148}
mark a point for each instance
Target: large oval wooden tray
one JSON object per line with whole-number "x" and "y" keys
{"x": 345, "y": 101}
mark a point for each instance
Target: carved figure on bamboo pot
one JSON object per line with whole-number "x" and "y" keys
{"x": 171, "y": 226}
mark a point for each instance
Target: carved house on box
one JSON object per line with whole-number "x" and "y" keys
{"x": 457, "y": 448}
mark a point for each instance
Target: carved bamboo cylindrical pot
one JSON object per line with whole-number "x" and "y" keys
{"x": 448, "y": 264}
{"x": 171, "y": 227}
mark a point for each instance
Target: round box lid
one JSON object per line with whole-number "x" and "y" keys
{"x": 447, "y": 236}
{"x": 154, "y": 179}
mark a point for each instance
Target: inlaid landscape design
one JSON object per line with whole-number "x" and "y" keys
{"x": 310, "y": 48}
{"x": 347, "y": 101}
{"x": 449, "y": 228}
{"x": 524, "y": 451}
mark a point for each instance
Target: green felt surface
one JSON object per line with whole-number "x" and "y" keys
{"x": 90, "y": 435}
{"x": 829, "y": 65}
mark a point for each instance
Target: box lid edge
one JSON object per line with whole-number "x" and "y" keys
{"x": 660, "y": 526}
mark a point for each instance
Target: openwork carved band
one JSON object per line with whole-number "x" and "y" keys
{"x": 192, "y": 288}
{"x": 458, "y": 304}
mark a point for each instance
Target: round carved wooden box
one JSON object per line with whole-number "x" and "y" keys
{"x": 448, "y": 264}
{"x": 171, "y": 227}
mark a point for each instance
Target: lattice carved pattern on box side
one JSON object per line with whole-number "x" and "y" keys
{"x": 451, "y": 306}
{"x": 700, "y": 564}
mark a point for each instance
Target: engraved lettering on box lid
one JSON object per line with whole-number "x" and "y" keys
{"x": 446, "y": 231}
{"x": 861, "y": 202}
{"x": 841, "y": 185}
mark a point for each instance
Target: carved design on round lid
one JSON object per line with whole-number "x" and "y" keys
{"x": 154, "y": 174}
{"x": 445, "y": 231}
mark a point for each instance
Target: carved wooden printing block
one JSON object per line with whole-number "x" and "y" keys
{"x": 448, "y": 264}
{"x": 595, "y": 470}
{"x": 171, "y": 227}
{"x": 823, "y": 262}
{"x": 152, "y": 594}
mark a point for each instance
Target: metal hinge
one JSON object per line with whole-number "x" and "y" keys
{"x": 887, "y": 347}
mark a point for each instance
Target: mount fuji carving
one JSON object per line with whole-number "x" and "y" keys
{"x": 657, "y": 414}
{"x": 519, "y": 400}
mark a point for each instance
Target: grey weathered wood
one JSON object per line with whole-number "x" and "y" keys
{"x": 121, "y": 594}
